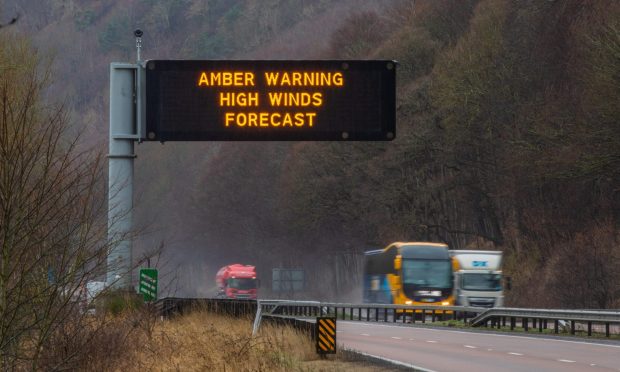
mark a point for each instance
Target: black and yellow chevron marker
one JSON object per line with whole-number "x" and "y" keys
{"x": 326, "y": 335}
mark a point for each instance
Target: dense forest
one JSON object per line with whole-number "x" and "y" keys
{"x": 508, "y": 138}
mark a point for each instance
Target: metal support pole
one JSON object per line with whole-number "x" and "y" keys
{"x": 126, "y": 126}
{"x": 123, "y": 133}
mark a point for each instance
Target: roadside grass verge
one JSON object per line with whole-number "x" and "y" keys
{"x": 203, "y": 341}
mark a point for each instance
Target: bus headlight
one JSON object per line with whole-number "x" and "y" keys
{"x": 445, "y": 303}
{"x": 408, "y": 302}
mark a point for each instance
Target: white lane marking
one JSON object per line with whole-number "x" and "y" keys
{"x": 489, "y": 349}
{"x": 339, "y": 331}
{"x": 397, "y": 338}
{"x": 364, "y": 334}
{"x": 480, "y": 333}
{"x": 411, "y": 339}
{"x": 432, "y": 341}
{"x": 470, "y": 347}
{"x": 412, "y": 366}
{"x": 592, "y": 365}
{"x": 566, "y": 361}
{"x": 518, "y": 354}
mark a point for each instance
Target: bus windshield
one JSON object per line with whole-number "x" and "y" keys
{"x": 242, "y": 283}
{"x": 427, "y": 273}
{"x": 482, "y": 282}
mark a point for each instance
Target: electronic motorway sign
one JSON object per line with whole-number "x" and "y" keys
{"x": 270, "y": 100}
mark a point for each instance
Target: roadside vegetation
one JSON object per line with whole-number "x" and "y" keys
{"x": 203, "y": 341}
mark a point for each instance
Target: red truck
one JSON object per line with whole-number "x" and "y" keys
{"x": 237, "y": 281}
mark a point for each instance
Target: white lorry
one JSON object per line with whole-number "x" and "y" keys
{"x": 478, "y": 278}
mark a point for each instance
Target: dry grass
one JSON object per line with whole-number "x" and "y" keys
{"x": 208, "y": 342}
{"x": 203, "y": 341}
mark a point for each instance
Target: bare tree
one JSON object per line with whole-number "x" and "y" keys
{"x": 52, "y": 218}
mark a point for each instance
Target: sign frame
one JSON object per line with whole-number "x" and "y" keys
{"x": 180, "y": 108}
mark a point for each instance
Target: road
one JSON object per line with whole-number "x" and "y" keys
{"x": 451, "y": 350}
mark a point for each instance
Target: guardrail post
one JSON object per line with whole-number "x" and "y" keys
{"x": 572, "y": 327}
{"x": 433, "y": 316}
{"x": 367, "y": 314}
{"x": 540, "y": 325}
{"x": 359, "y": 314}
{"x": 589, "y": 328}
{"x": 556, "y": 326}
{"x": 533, "y": 322}
{"x": 525, "y": 323}
{"x": 394, "y": 315}
{"x": 423, "y": 315}
{"x": 499, "y": 322}
{"x": 513, "y": 321}
{"x": 606, "y": 329}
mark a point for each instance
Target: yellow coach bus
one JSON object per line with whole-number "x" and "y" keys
{"x": 413, "y": 273}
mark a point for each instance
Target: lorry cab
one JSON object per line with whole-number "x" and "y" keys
{"x": 478, "y": 278}
{"x": 241, "y": 288}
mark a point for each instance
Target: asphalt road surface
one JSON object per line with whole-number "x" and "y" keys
{"x": 451, "y": 350}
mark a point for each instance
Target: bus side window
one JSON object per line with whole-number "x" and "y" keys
{"x": 374, "y": 284}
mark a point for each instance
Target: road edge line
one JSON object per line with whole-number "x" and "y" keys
{"x": 387, "y": 360}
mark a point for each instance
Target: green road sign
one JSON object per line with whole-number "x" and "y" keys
{"x": 148, "y": 284}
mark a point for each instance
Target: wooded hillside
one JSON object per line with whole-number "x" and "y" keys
{"x": 508, "y": 138}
